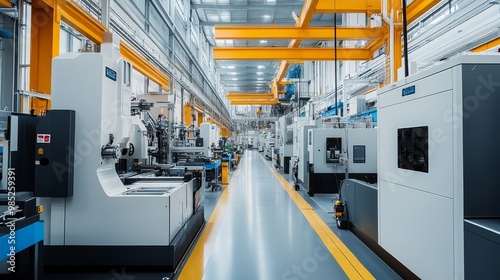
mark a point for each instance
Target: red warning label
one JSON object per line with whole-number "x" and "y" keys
{"x": 43, "y": 138}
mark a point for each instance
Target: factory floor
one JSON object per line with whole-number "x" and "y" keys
{"x": 261, "y": 228}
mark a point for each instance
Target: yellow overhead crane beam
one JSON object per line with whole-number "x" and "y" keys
{"x": 5, "y": 3}
{"x": 484, "y": 47}
{"x": 270, "y": 53}
{"x": 143, "y": 66}
{"x": 46, "y": 24}
{"x": 293, "y": 32}
{"x": 419, "y": 7}
{"x": 348, "y": 6}
{"x": 246, "y": 96}
{"x": 254, "y": 102}
{"x": 305, "y": 17}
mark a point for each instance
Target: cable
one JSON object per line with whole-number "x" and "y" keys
{"x": 405, "y": 35}
{"x": 335, "y": 50}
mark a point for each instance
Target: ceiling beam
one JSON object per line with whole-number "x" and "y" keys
{"x": 239, "y": 96}
{"x": 306, "y": 13}
{"x": 274, "y": 6}
{"x": 254, "y": 102}
{"x": 269, "y": 53}
{"x": 348, "y": 6}
{"x": 246, "y": 23}
{"x": 290, "y": 32}
{"x": 5, "y": 3}
{"x": 419, "y": 7}
{"x": 486, "y": 46}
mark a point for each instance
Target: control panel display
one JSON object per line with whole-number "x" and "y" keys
{"x": 359, "y": 155}
{"x": 413, "y": 148}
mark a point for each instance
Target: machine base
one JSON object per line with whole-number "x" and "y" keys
{"x": 325, "y": 182}
{"x": 165, "y": 257}
{"x": 286, "y": 165}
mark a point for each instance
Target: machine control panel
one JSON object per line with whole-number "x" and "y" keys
{"x": 413, "y": 148}
{"x": 333, "y": 150}
{"x": 359, "y": 154}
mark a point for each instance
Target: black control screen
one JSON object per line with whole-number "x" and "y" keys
{"x": 358, "y": 154}
{"x": 413, "y": 148}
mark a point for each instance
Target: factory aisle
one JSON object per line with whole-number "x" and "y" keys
{"x": 262, "y": 230}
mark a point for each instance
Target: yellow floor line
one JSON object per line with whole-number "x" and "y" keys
{"x": 352, "y": 267}
{"x": 195, "y": 265}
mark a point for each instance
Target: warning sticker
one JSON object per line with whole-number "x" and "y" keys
{"x": 43, "y": 138}
{"x": 40, "y": 151}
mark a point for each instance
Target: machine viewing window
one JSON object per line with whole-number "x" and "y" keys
{"x": 413, "y": 148}
{"x": 333, "y": 148}
{"x": 358, "y": 152}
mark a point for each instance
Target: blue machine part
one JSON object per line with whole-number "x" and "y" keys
{"x": 24, "y": 238}
{"x": 4, "y": 33}
{"x": 369, "y": 113}
{"x": 214, "y": 165}
{"x": 332, "y": 110}
{"x": 293, "y": 73}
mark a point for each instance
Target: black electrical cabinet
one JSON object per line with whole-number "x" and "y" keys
{"x": 21, "y": 136}
{"x": 54, "y": 154}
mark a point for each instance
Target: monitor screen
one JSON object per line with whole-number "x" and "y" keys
{"x": 413, "y": 148}
{"x": 359, "y": 155}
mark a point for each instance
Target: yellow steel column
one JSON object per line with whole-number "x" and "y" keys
{"x": 225, "y": 172}
{"x": 398, "y": 37}
{"x": 200, "y": 118}
{"x": 398, "y": 51}
{"x": 45, "y": 34}
{"x": 188, "y": 121}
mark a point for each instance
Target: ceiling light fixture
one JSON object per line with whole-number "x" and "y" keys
{"x": 261, "y": 67}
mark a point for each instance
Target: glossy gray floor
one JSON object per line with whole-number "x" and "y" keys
{"x": 264, "y": 235}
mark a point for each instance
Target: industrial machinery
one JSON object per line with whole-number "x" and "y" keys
{"x": 148, "y": 220}
{"x": 440, "y": 150}
{"x": 284, "y": 141}
{"x": 24, "y": 170}
{"x": 261, "y": 142}
{"x": 186, "y": 150}
{"x": 269, "y": 146}
{"x": 340, "y": 152}
{"x": 301, "y": 125}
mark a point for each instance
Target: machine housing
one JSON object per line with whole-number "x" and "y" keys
{"x": 438, "y": 138}
{"x": 334, "y": 153}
